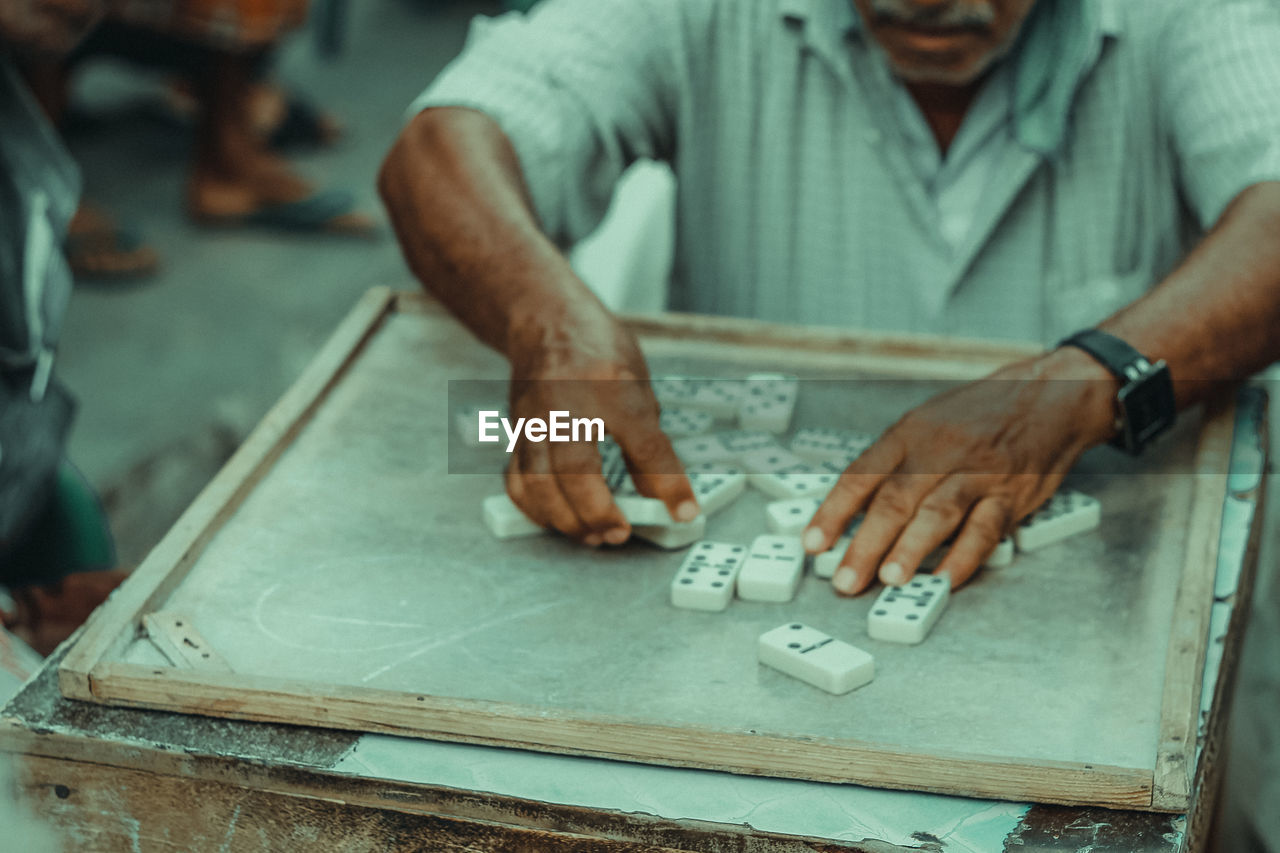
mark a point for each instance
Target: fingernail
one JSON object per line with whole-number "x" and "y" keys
{"x": 687, "y": 511}
{"x": 893, "y": 574}
{"x": 813, "y": 540}
{"x": 592, "y": 540}
{"x": 844, "y": 579}
{"x": 616, "y": 535}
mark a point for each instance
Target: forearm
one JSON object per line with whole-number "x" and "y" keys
{"x": 461, "y": 210}
{"x": 1215, "y": 318}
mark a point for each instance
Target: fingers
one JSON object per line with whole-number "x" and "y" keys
{"x": 891, "y": 510}
{"x": 982, "y": 531}
{"x": 938, "y": 516}
{"x": 534, "y": 488}
{"x": 655, "y": 468}
{"x": 578, "y": 474}
{"x": 851, "y": 493}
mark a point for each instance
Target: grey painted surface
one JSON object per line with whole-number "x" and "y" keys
{"x": 360, "y": 561}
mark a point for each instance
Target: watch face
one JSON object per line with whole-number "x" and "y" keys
{"x": 1148, "y": 407}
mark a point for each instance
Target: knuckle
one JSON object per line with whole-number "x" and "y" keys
{"x": 893, "y": 501}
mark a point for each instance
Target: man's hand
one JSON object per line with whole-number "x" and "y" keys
{"x": 971, "y": 462}
{"x": 47, "y": 27}
{"x": 590, "y": 367}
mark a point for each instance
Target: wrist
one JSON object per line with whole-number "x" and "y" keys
{"x": 1091, "y": 387}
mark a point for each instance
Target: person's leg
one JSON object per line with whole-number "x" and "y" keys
{"x": 97, "y": 246}
{"x": 62, "y": 568}
{"x": 236, "y": 177}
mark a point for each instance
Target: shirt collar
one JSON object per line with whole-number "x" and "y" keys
{"x": 1059, "y": 46}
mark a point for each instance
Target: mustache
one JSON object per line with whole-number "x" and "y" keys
{"x": 959, "y": 15}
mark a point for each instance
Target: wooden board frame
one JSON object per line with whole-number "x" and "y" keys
{"x": 89, "y": 673}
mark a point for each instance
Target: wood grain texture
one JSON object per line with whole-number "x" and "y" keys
{"x": 243, "y": 697}
{"x": 165, "y": 567}
{"x": 93, "y": 670}
{"x": 1184, "y": 666}
{"x": 95, "y": 803}
{"x": 1210, "y": 771}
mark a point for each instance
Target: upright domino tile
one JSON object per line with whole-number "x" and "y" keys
{"x": 720, "y": 398}
{"x": 1065, "y": 514}
{"x": 716, "y": 486}
{"x": 815, "y": 658}
{"x": 727, "y": 447}
{"x": 781, "y": 474}
{"x": 773, "y": 569}
{"x": 706, "y": 578}
{"x": 613, "y": 465}
{"x": 826, "y": 563}
{"x": 466, "y": 423}
{"x": 906, "y": 614}
{"x": 672, "y": 536}
{"x": 635, "y": 507}
{"x": 830, "y": 445}
{"x": 681, "y": 423}
{"x": 1002, "y": 555}
{"x": 790, "y": 517}
{"x": 505, "y": 520}
{"x": 768, "y": 402}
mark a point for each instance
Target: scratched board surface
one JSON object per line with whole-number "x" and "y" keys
{"x": 358, "y": 560}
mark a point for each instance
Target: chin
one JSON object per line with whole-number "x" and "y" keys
{"x": 943, "y": 75}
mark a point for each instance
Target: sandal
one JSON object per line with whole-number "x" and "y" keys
{"x": 99, "y": 249}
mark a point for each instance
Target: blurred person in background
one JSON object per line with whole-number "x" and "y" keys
{"x": 220, "y": 51}
{"x": 55, "y": 549}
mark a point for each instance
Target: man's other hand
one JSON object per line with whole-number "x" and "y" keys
{"x": 971, "y": 463}
{"x": 47, "y": 28}
{"x": 592, "y": 367}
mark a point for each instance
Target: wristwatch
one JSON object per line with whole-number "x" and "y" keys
{"x": 1144, "y": 405}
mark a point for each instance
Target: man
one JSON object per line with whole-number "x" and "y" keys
{"x": 51, "y": 529}
{"x": 980, "y": 167}
{"x": 995, "y": 168}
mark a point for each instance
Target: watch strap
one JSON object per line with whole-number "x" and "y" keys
{"x": 1145, "y": 403}
{"x": 1123, "y": 361}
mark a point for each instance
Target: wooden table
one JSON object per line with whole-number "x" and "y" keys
{"x": 114, "y": 778}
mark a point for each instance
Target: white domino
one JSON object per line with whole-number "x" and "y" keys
{"x": 707, "y": 576}
{"x": 906, "y": 614}
{"x": 613, "y": 465}
{"x": 826, "y": 563}
{"x": 1065, "y": 514}
{"x": 721, "y": 398}
{"x": 773, "y": 569}
{"x": 635, "y": 507}
{"x": 830, "y": 445}
{"x": 768, "y": 402}
{"x": 672, "y": 536}
{"x": 815, "y": 658}
{"x": 790, "y": 517}
{"x": 680, "y": 423}
{"x": 466, "y": 422}
{"x": 781, "y": 474}
{"x": 722, "y": 446}
{"x": 716, "y": 486}
{"x": 1002, "y": 556}
{"x": 505, "y": 520}
{"x": 639, "y": 510}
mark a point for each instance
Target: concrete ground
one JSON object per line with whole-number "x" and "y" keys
{"x": 202, "y": 350}
{"x": 171, "y": 374}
